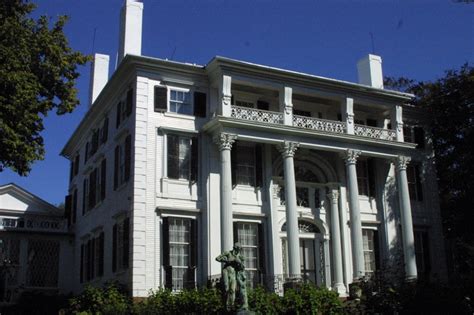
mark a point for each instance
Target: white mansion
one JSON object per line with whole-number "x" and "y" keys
{"x": 317, "y": 178}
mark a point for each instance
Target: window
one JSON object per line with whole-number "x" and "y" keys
{"x": 97, "y": 185}
{"x": 122, "y": 162}
{"x": 182, "y": 157}
{"x": 74, "y": 166}
{"x": 241, "y": 103}
{"x": 366, "y": 177}
{"x": 124, "y": 108}
{"x": 422, "y": 252}
{"x": 120, "y": 245}
{"x": 245, "y": 159}
{"x": 179, "y": 252}
{"x": 250, "y": 237}
{"x": 92, "y": 258}
{"x": 415, "y": 187}
{"x": 180, "y": 102}
{"x": 85, "y": 195}
{"x": 414, "y": 134}
{"x": 370, "y": 245}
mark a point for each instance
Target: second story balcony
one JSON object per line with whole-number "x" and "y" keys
{"x": 312, "y": 123}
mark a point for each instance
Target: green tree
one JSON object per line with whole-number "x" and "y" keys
{"x": 38, "y": 71}
{"x": 449, "y": 106}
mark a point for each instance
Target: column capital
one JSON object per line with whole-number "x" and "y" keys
{"x": 224, "y": 140}
{"x": 333, "y": 195}
{"x": 351, "y": 156}
{"x": 401, "y": 162}
{"x": 288, "y": 148}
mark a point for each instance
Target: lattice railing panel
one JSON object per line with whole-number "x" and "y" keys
{"x": 375, "y": 133}
{"x": 259, "y": 115}
{"x": 43, "y": 263}
{"x": 319, "y": 124}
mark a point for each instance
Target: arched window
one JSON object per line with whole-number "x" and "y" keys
{"x": 304, "y": 227}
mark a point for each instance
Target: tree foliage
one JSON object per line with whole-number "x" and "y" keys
{"x": 38, "y": 71}
{"x": 449, "y": 106}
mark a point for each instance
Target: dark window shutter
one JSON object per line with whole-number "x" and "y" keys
{"x": 105, "y": 130}
{"x": 339, "y": 117}
{"x": 376, "y": 250}
{"x": 372, "y": 122}
{"x": 191, "y": 276}
{"x": 103, "y": 177}
{"x": 86, "y": 156}
{"x": 232, "y": 100}
{"x": 194, "y": 159}
{"x": 81, "y": 273}
{"x": 200, "y": 104}
{"x": 233, "y": 162}
{"x": 126, "y": 242}
{"x": 119, "y": 109}
{"x": 92, "y": 188}
{"x": 68, "y": 209}
{"x": 419, "y": 186}
{"x": 161, "y": 99}
{"x": 128, "y": 156}
{"x": 371, "y": 174}
{"x": 235, "y": 231}
{"x": 129, "y": 104}
{"x": 100, "y": 272}
{"x": 114, "y": 248}
{"x": 76, "y": 164}
{"x": 263, "y": 105}
{"x": 116, "y": 166}
{"x": 261, "y": 250}
{"x": 166, "y": 254}
{"x": 74, "y": 207}
{"x": 259, "y": 165}
{"x": 173, "y": 156}
{"x": 419, "y": 135}
{"x": 92, "y": 259}
{"x": 84, "y": 199}
{"x": 71, "y": 171}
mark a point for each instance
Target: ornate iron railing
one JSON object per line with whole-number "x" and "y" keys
{"x": 375, "y": 133}
{"x": 319, "y": 124}
{"x": 259, "y": 115}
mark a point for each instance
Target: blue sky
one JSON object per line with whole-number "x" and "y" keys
{"x": 419, "y": 39}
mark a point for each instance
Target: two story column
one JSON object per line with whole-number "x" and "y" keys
{"x": 338, "y": 283}
{"x": 287, "y": 150}
{"x": 408, "y": 238}
{"x": 225, "y": 141}
{"x": 355, "y": 219}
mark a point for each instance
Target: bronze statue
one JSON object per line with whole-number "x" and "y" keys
{"x": 233, "y": 274}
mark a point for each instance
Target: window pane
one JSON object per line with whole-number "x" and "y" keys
{"x": 245, "y": 165}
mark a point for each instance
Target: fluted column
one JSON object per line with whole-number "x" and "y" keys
{"x": 338, "y": 283}
{"x": 287, "y": 150}
{"x": 355, "y": 220}
{"x": 225, "y": 141}
{"x": 408, "y": 238}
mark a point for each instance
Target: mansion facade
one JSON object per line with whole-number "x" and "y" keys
{"x": 318, "y": 179}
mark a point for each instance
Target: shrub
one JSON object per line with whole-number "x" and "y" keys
{"x": 36, "y": 303}
{"x": 308, "y": 299}
{"x": 263, "y": 302}
{"x": 109, "y": 300}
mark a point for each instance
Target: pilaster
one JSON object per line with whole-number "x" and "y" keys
{"x": 225, "y": 91}
{"x": 286, "y": 105}
{"x": 347, "y": 110}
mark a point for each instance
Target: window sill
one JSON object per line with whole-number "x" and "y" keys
{"x": 182, "y": 116}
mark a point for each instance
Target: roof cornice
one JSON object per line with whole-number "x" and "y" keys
{"x": 290, "y": 76}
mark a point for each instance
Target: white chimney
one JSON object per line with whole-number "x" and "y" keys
{"x": 99, "y": 76}
{"x": 370, "y": 71}
{"x": 130, "y": 41}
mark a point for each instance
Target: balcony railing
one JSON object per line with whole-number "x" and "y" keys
{"x": 332, "y": 126}
{"x": 259, "y": 115}
{"x": 319, "y": 124}
{"x": 375, "y": 133}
